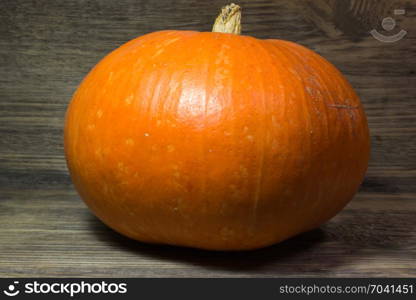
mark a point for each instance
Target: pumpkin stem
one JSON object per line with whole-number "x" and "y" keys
{"x": 229, "y": 20}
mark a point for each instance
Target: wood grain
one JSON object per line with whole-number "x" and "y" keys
{"x": 47, "y": 47}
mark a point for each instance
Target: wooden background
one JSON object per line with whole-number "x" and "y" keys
{"x": 46, "y": 47}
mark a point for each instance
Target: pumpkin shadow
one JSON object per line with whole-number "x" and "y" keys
{"x": 291, "y": 255}
{"x": 349, "y": 239}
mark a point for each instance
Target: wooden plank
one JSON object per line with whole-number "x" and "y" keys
{"x": 369, "y": 238}
{"x": 47, "y": 47}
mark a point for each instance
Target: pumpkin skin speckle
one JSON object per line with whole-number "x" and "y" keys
{"x": 215, "y": 140}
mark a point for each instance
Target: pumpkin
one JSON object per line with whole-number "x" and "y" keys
{"x": 215, "y": 140}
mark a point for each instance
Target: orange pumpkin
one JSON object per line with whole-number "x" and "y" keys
{"x": 215, "y": 140}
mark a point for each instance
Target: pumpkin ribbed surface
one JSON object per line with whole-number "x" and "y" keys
{"x": 215, "y": 140}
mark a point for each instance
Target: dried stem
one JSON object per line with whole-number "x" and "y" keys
{"x": 229, "y": 20}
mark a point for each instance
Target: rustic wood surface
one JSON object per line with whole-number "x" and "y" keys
{"x": 46, "y": 47}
